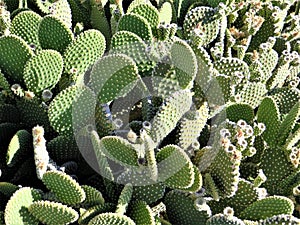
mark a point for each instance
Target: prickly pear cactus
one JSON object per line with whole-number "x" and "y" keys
{"x": 142, "y": 112}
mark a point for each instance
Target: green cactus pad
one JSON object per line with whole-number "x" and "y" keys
{"x": 25, "y": 25}
{"x": 201, "y": 20}
{"x": 43, "y": 70}
{"x": 13, "y": 56}
{"x": 190, "y": 128}
{"x": 93, "y": 196}
{"x": 124, "y": 199}
{"x": 268, "y": 207}
{"x": 235, "y": 112}
{"x": 63, "y": 149}
{"x": 144, "y": 188}
{"x": 274, "y": 158}
{"x": 288, "y": 124}
{"x": 4, "y": 83}
{"x": 111, "y": 218}
{"x": 7, "y": 131}
{"x": 221, "y": 219}
{"x": 84, "y": 51}
{"x": 136, "y": 24}
{"x": 232, "y": 67}
{"x": 94, "y": 211}
{"x": 66, "y": 112}
{"x": 286, "y": 98}
{"x": 279, "y": 76}
{"x": 9, "y": 114}
{"x": 8, "y": 189}
{"x": 181, "y": 56}
{"x": 253, "y": 93}
{"x": 53, "y": 213}
{"x": 113, "y": 76}
{"x": 16, "y": 210}
{"x": 197, "y": 185}
{"x": 100, "y": 22}
{"x": 32, "y": 113}
{"x": 61, "y": 10}
{"x": 268, "y": 113}
{"x": 20, "y": 145}
{"x": 268, "y": 60}
{"x": 224, "y": 171}
{"x": 169, "y": 114}
{"x": 149, "y": 12}
{"x": 141, "y": 213}
{"x": 280, "y": 219}
{"x": 119, "y": 150}
{"x": 104, "y": 167}
{"x": 175, "y": 168}
{"x": 54, "y": 34}
{"x": 181, "y": 210}
{"x": 245, "y": 195}
{"x": 65, "y": 188}
{"x": 130, "y": 44}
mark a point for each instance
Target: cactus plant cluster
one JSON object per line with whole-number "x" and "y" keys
{"x": 181, "y": 112}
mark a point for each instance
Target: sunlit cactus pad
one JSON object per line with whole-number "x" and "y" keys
{"x": 149, "y": 112}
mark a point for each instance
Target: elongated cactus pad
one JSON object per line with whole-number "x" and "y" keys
{"x": 43, "y": 70}
{"x": 268, "y": 207}
{"x": 19, "y": 146}
{"x": 111, "y": 218}
{"x": 169, "y": 114}
{"x": 119, "y": 150}
{"x": 141, "y": 213}
{"x": 66, "y": 189}
{"x": 16, "y": 211}
{"x": 268, "y": 113}
{"x": 53, "y": 213}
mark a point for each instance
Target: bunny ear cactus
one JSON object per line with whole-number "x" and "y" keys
{"x": 52, "y": 213}
{"x": 130, "y": 44}
{"x": 176, "y": 105}
{"x": 261, "y": 209}
{"x": 66, "y": 189}
{"x": 54, "y": 34}
{"x": 61, "y": 10}
{"x": 110, "y": 82}
{"x": 66, "y": 109}
{"x": 14, "y": 48}
{"x": 16, "y": 211}
{"x": 183, "y": 209}
{"x": 149, "y": 12}
{"x": 19, "y": 147}
{"x": 43, "y": 70}
{"x": 201, "y": 25}
{"x": 25, "y": 25}
{"x": 179, "y": 175}
{"x": 84, "y": 51}
{"x": 118, "y": 216}
{"x": 141, "y": 213}
{"x": 137, "y": 24}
